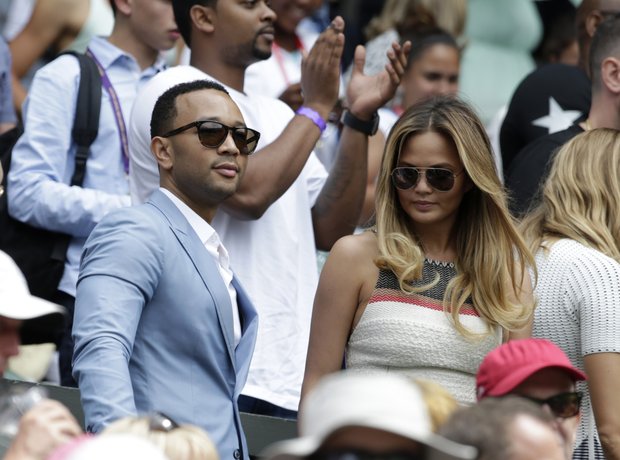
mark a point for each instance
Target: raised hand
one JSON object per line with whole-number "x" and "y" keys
{"x": 366, "y": 94}
{"x": 320, "y": 69}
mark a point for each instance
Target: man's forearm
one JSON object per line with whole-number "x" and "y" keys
{"x": 338, "y": 207}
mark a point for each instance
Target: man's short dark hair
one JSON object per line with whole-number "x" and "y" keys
{"x": 606, "y": 43}
{"x": 486, "y": 425}
{"x": 165, "y": 110}
{"x": 181, "y": 15}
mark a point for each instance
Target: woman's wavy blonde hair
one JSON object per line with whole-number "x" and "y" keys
{"x": 492, "y": 257}
{"x": 580, "y": 197}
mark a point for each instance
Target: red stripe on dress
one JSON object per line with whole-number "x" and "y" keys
{"x": 413, "y": 299}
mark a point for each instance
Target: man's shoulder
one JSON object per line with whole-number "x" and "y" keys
{"x": 141, "y": 218}
{"x": 530, "y": 167}
{"x": 65, "y": 68}
{"x": 553, "y": 79}
{"x": 546, "y": 145}
{"x": 586, "y": 263}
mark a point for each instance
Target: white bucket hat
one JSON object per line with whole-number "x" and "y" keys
{"x": 16, "y": 302}
{"x": 117, "y": 446}
{"x": 383, "y": 402}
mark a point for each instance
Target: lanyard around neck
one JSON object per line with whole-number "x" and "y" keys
{"x": 116, "y": 109}
{"x": 277, "y": 53}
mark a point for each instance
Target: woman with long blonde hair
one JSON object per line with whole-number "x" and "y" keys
{"x": 575, "y": 233}
{"x": 429, "y": 291}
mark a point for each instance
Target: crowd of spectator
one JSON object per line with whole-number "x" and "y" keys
{"x": 410, "y": 247}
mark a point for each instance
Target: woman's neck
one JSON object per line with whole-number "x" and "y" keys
{"x": 437, "y": 245}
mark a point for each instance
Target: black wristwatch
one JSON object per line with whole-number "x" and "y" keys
{"x": 367, "y": 127}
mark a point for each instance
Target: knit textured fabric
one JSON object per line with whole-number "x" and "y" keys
{"x": 578, "y": 294}
{"x": 412, "y": 334}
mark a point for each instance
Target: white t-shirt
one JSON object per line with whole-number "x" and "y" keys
{"x": 387, "y": 119}
{"x": 274, "y": 256}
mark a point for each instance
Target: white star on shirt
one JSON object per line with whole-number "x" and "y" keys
{"x": 558, "y": 119}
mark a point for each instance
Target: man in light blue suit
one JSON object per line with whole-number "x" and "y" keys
{"x": 161, "y": 323}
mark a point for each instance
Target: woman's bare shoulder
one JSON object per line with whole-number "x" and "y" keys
{"x": 357, "y": 247}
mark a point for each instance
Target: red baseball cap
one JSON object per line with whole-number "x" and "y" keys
{"x": 508, "y": 365}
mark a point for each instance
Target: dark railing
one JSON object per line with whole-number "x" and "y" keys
{"x": 259, "y": 430}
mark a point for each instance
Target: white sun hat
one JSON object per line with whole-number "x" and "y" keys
{"x": 16, "y": 302}
{"x": 385, "y": 402}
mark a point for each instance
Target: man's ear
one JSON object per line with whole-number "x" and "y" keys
{"x": 124, "y": 6}
{"x": 203, "y": 18}
{"x": 162, "y": 150}
{"x": 610, "y": 74}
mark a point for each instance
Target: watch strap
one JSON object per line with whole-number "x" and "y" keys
{"x": 369, "y": 127}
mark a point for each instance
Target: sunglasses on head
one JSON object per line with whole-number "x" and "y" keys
{"x": 212, "y": 134}
{"x": 406, "y": 177}
{"x": 564, "y": 405}
{"x": 365, "y": 455}
{"x": 158, "y": 421}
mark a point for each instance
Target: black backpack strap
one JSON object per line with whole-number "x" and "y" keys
{"x": 88, "y": 107}
{"x": 85, "y": 129}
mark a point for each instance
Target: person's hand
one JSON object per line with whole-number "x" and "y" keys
{"x": 366, "y": 94}
{"x": 292, "y": 96}
{"x": 320, "y": 69}
{"x": 42, "y": 429}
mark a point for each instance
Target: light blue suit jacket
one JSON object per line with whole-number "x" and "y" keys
{"x": 153, "y": 326}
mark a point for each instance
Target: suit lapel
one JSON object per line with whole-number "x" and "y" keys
{"x": 249, "y": 329}
{"x": 204, "y": 264}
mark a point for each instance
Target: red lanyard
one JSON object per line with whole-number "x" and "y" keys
{"x": 277, "y": 53}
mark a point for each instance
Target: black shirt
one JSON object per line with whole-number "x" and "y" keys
{"x": 530, "y": 168}
{"x": 570, "y": 89}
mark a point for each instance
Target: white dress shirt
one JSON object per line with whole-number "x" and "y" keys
{"x": 216, "y": 249}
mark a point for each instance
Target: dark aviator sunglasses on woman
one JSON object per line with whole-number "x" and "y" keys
{"x": 440, "y": 179}
{"x": 212, "y": 134}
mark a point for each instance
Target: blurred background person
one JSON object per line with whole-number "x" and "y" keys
{"x": 399, "y": 17}
{"x": 530, "y": 167}
{"x": 280, "y": 75}
{"x": 8, "y": 119}
{"x": 48, "y": 424}
{"x": 510, "y": 428}
{"x": 351, "y": 416}
{"x": 555, "y": 96}
{"x": 55, "y": 26}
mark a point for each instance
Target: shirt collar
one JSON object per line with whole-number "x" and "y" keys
{"x": 205, "y": 232}
{"x": 106, "y": 53}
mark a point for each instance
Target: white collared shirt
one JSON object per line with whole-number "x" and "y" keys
{"x": 216, "y": 249}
